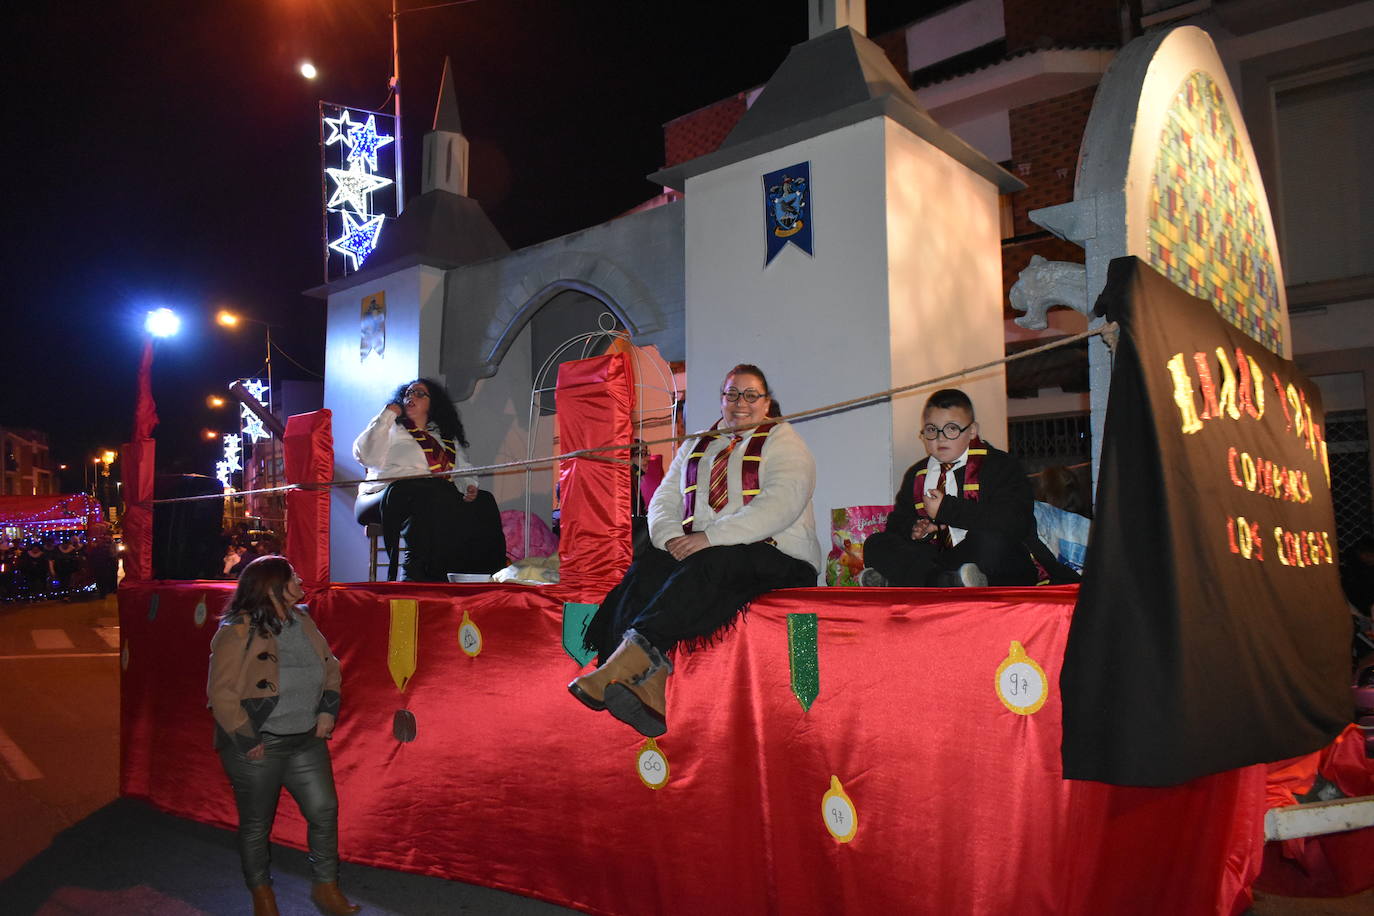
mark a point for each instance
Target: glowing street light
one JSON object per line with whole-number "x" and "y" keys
{"x": 162, "y": 322}
{"x": 209, "y": 435}
{"x": 308, "y": 70}
{"x": 214, "y": 401}
{"x": 227, "y": 318}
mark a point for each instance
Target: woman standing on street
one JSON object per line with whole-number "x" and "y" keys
{"x": 274, "y": 693}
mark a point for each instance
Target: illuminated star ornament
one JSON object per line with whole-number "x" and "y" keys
{"x": 360, "y": 185}
{"x": 252, "y": 425}
{"x": 339, "y": 130}
{"x": 353, "y": 186}
{"x": 359, "y": 238}
{"x": 365, "y": 141}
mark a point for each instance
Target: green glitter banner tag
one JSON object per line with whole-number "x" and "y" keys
{"x": 806, "y": 669}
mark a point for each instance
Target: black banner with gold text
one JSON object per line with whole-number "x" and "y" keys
{"x": 1210, "y": 631}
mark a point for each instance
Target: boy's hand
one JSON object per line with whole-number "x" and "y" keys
{"x": 923, "y": 529}
{"x": 933, "y": 500}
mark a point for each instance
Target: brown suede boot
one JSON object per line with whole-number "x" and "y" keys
{"x": 330, "y": 901}
{"x": 641, "y": 704}
{"x": 631, "y": 659}
{"x": 264, "y": 901}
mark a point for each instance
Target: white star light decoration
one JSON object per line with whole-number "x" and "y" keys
{"x": 355, "y": 184}
{"x": 252, "y": 425}
{"x": 339, "y": 130}
{"x": 222, "y": 472}
{"x": 233, "y": 454}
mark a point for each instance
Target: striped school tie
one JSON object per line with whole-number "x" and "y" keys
{"x": 718, "y": 494}
{"x": 943, "y": 538}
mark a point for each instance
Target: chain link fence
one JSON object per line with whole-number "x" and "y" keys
{"x": 1347, "y": 446}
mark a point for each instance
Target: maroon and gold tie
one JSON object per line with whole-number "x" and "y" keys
{"x": 718, "y": 493}
{"x": 942, "y": 536}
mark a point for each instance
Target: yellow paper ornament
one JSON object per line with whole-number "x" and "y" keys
{"x": 838, "y": 812}
{"x": 1021, "y": 683}
{"x": 652, "y": 765}
{"x": 469, "y": 637}
{"x": 400, "y": 651}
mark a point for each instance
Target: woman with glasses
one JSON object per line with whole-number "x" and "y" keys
{"x": 274, "y": 693}
{"x": 731, "y": 520}
{"x": 447, "y": 523}
{"x": 963, "y": 516}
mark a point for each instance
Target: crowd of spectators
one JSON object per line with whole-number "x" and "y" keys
{"x": 84, "y": 565}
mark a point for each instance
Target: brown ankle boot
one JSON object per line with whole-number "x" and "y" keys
{"x": 631, "y": 659}
{"x": 264, "y": 901}
{"x": 641, "y": 704}
{"x": 330, "y": 901}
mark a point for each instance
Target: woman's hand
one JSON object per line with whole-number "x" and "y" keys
{"x": 324, "y": 725}
{"x": 684, "y": 546}
{"x": 257, "y": 753}
{"x": 470, "y": 493}
{"x": 394, "y": 408}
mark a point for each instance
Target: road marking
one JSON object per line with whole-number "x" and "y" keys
{"x": 52, "y": 639}
{"x": 11, "y": 658}
{"x": 110, "y": 635}
{"x": 16, "y": 760}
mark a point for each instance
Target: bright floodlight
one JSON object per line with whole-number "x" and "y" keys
{"x": 308, "y": 70}
{"x": 162, "y": 322}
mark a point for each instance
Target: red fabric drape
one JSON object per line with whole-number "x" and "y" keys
{"x": 1332, "y": 865}
{"x": 511, "y": 783}
{"x": 138, "y": 471}
{"x": 595, "y": 400}
{"x": 309, "y": 445}
{"x": 137, "y": 523}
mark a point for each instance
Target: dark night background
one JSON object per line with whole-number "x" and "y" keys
{"x": 166, "y": 153}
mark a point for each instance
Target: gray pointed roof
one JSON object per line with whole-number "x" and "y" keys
{"x": 446, "y": 111}
{"x": 832, "y": 81}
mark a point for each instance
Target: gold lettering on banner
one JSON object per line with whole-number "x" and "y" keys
{"x": 1183, "y": 395}
{"x": 1227, "y": 395}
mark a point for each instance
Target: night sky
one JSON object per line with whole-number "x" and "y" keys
{"x": 166, "y": 153}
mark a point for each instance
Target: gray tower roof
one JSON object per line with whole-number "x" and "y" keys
{"x": 446, "y": 111}
{"x": 838, "y": 79}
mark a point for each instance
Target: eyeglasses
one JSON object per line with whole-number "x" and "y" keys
{"x": 732, "y": 395}
{"x": 416, "y": 393}
{"x": 949, "y": 431}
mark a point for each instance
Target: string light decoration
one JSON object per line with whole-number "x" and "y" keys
{"x": 353, "y": 187}
{"x": 359, "y": 167}
{"x": 252, "y": 425}
{"x": 365, "y": 141}
{"x": 359, "y": 238}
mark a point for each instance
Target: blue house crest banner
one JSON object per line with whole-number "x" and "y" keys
{"x": 788, "y": 217}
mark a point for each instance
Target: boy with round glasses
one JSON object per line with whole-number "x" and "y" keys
{"x": 964, "y": 516}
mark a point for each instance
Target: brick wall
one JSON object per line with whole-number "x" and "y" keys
{"x": 1041, "y": 24}
{"x": 1044, "y": 152}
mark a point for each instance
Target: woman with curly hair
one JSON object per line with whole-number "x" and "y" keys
{"x": 447, "y": 523}
{"x": 274, "y": 692}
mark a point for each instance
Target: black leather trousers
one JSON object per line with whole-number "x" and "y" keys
{"x": 301, "y": 765}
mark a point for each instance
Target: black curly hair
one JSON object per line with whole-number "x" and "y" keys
{"x": 442, "y": 413}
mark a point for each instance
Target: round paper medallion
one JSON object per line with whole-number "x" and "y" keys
{"x": 1021, "y": 683}
{"x": 652, "y": 765}
{"x": 838, "y": 812}
{"x": 469, "y": 637}
{"x": 201, "y": 612}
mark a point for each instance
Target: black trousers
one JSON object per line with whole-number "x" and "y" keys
{"x": 301, "y": 765}
{"x": 443, "y": 532}
{"x": 670, "y": 602}
{"x": 902, "y": 561}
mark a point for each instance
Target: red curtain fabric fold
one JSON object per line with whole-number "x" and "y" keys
{"x": 960, "y": 800}
{"x": 595, "y": 400}
{"x": 137, "y": 524}
{"x": 309, "y": 458}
